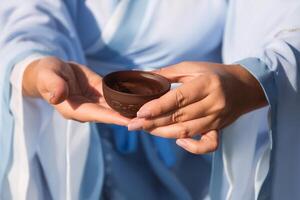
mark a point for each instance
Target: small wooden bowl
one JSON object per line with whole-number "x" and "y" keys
{"x": 127, "y": 91}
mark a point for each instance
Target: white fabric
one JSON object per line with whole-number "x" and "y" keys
{"x": 21, "y": 157}
{"x": 37, "y": 127}
{"x": 270, "y": 31}
{"x": 154, "y": 40}
{"x": 246, "y": 136}
{"x": 167, "y": 33}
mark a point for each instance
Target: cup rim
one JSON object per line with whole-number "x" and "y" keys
{"x": 162, "y": 92}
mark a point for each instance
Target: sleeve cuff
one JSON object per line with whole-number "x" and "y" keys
{"x": 264, "y": 75}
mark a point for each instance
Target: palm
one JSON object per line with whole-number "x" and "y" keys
{"x": 85, "y": 101}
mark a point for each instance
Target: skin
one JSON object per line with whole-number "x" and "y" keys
{"x": 73, "y": 90}
{"x": 211, "y": 97}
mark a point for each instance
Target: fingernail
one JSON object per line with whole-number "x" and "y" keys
{"x": 181, "y": 142}
{"x": 143, "y": 113}
{"x": 135, "y": 125}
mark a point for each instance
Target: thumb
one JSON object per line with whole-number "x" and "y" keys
{"x": 54, "y": 89}
{"x": 176, "y": 73}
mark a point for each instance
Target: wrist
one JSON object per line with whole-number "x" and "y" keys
{"x": 252, "y": 94}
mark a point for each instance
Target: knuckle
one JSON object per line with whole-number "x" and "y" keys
{"x": 184, "y": 132}
{"x": 158, "y": 108}
{"x": 177, "y": 116}
{"x": 216, "y": 123}
{"x": 180, "y": 98}
{"x": 149, "y": 125}
{"x": 221, "y": 104}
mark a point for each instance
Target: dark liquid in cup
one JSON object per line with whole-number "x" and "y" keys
{"x": 140, "y": 87}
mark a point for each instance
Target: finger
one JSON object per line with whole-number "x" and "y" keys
{"x": 80, "y": 109}
{"x": 53, "y": 88}
{"x": 209, "y": 142}
{"x": 193, "y": 111}
{"x": 105, "y": 115}
{"x": 185, "y": 129}
{"x": 180, "y": 72}
{"x": 187, "y": 93}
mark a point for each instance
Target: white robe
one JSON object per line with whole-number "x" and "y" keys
{"x": 261, "y": 36}
{"x": 106, "y": 35}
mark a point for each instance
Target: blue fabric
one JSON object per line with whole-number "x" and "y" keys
{"x": 178, "y": 183}
{"x": 127, "y": 142}
{"x": 171, "y": 182}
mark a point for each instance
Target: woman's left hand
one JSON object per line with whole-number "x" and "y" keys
{"x": 211, "y": 97}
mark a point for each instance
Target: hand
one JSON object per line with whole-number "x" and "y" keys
{"x": 73, "y": 90}
{"x": 211, "y": 97}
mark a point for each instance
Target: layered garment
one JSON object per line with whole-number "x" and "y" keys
{"x": 53, "y": 158}
{"x": 264, "y": 37}
{"x": 44, "y": 156}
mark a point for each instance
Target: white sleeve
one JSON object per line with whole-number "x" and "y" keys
{"x": 43, "y": 137}
{"x": 24, "y": 142}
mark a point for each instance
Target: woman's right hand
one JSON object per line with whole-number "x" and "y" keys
{"x": 73, "y": 89}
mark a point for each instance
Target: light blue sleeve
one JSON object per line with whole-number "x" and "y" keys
{"x": 28, "y": 27}
{"x": 278, "y": 69}
{"x": 264, "y": 38}
{"x": 264, "y": 75}
{"x": 278, "y": 73}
